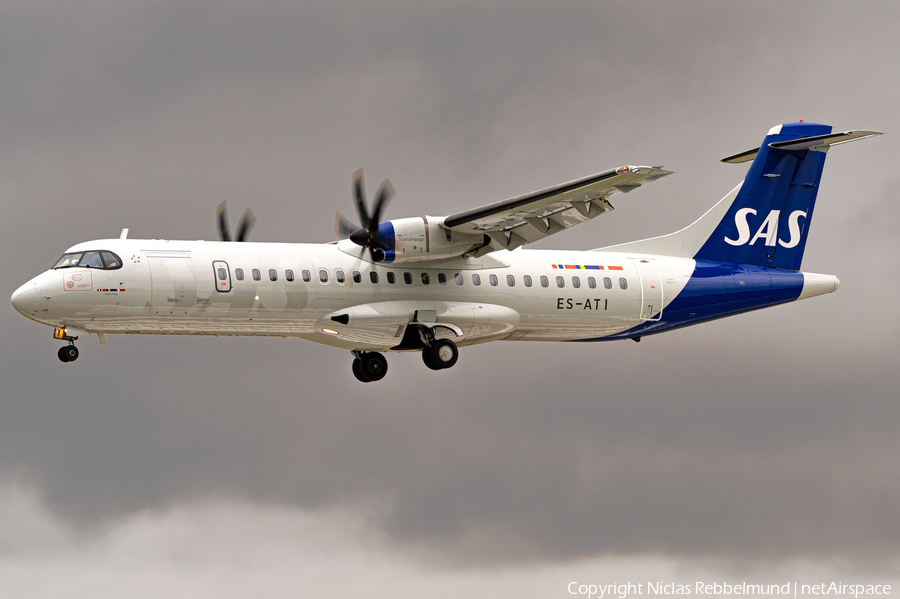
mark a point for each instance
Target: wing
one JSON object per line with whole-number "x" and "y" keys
{"x": 528, "y": 218}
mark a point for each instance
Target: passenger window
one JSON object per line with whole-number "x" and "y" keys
{"x": 458, "y": 278}
{"x": 545, "y": 282}
{"x": 91, "y": 260}
{"x": 111, "y": 261}
{"x": 306, "y": 277}
{"x": 592, "y": 282}
{"x": 510, "y": 280}
{"x": 373, "y": 276}
{"x": 256, "y": 276}
{"x": 576, "y": 282}
{"x": 476, "y": 279}
{"x": 407, "y": 278}
{"x": 442, "y": 278}
{"x": 493, "y": 279}
{"x": 607, "y": 282}
{"x": 221, "y": 273}
{"x": 623, "y": 283}
{"x": 339, "y": 275}
{"x": 560, "y": 282}
{"x": 527, "y": 279}
{"x": 289, "y": 274}
{"x": 357, "y": 278}
{"x": 239, "y": 274}
{"x": 425, "y": 278}
{"x": 390, "y": 277}
{"x": 323, "y": 276}
{"x": 273, "y": 274}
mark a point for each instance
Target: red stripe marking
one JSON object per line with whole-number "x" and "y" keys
{"x": 615, "y": 268}
{"x": 575, "y": 266}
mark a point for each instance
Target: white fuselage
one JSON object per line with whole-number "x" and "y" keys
{"x": 170, "y": 287}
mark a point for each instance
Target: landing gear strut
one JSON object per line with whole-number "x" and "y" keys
{"x": 369, "y": 367}
{"x": 68, "y": 353}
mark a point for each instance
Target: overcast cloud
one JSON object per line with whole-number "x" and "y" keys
{"x": 768, "y": 437}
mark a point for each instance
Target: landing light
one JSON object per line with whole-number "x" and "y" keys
{"x": 330, "y": 332}
{"x": 257, "y": 298}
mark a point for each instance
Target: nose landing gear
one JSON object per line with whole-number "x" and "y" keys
{"x": 68, "y": 353}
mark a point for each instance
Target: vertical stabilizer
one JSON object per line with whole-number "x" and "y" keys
{"x": 765, "y": 220}
{"x": 768, "y": 221}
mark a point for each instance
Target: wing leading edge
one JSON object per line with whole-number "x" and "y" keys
{"x": 531, "y": 217}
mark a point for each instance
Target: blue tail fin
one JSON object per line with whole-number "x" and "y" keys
{"x": 768, "y": 221}
{"x": 764, "y": 220}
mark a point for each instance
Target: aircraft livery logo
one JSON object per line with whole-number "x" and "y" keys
{"x": 768, "y": 229}
{"x": 78, "y": 281}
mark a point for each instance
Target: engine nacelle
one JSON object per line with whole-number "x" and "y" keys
{"x": 423, "y": 238}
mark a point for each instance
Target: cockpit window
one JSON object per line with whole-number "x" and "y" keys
{"x": 111, "y": 261}
{"x": 68, "y": 260}
{"x": 91, "y": 260}
{"x": 102, "y": 259}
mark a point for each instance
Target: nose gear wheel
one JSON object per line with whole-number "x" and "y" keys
{"x": 68, "y": 353}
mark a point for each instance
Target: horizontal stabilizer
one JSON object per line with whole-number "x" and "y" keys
{"x": 816, "y": 143}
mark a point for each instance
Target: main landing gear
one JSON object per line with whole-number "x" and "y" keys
{"x": 442, "y": 354}
{"x": 369, "y": 367}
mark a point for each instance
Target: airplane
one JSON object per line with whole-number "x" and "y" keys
{"x": 434, "y": 284}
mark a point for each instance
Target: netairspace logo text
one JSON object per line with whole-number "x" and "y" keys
{"x": 791, "y": 589}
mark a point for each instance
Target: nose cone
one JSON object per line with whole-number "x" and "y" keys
{"x": 27, "y": 299}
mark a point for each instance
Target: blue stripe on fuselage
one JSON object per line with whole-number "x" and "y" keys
{"x": 718, "y": 289}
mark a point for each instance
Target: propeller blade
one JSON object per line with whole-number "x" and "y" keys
{"x": 367, "y": 235}
{"x": 224, "y": 235}
{"x": 359, "y": 194}
{"x": 382, "y": 199}
{"x": 342, "y": 226}
{"x": 359, "y": 258}
{"x": 247, "y": 222}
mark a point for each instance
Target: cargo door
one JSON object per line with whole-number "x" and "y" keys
{"x": 174, "y": 289}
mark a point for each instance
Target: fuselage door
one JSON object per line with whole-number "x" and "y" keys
{"x": 173, "y": 287}
{"x": 651, "y": 290}
{"x": 222, "y": 274}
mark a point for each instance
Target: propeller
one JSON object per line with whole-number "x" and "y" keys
{"x": 247, "y": 222}
{"x": 366, "y": 235}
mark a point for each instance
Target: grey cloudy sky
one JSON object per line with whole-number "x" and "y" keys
{"x": 766, "y": 437}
